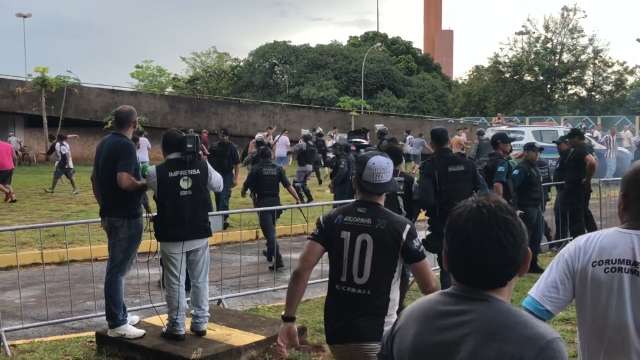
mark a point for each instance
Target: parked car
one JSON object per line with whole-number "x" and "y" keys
{"x": 545, "y": 135}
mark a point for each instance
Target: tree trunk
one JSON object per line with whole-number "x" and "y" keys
{"x": 64, "y": 99}
{"x": 45, "y": 124}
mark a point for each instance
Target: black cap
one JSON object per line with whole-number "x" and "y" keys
{"x": 575, "y": 133}
{"x": 224, "y": 132}
{"x": 501, "y": 138}
{"x": 439, "y": 136}
{"x": 374, "y": 173}
{"x": 531, "y": 146}
{"x": 561, "y": 140}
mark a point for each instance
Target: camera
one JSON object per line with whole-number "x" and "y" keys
{"x": 191, "y": 144}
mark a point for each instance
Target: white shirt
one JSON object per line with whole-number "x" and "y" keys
{"x": 143, "y": 149}
{"x": 627, "y": 139}
{"x": 601, "y": 271}
{"x": 64, "y": 149}
{"x": 282, "y": 146}
{"x": 408, "y": 144}
{"x": 15, "y": 142}
{"x": 214, "y": 183}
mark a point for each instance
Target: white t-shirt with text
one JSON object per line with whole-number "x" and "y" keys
{"x": 601, "y": 272}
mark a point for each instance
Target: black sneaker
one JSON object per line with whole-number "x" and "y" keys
{"x": 172, "y": 336}
{"x": 225, "y": 226}
{"x": 199, "y": 333}
{"x": 276, "y": 267}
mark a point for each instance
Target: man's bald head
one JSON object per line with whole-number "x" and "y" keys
{"x": 629, "y": 207}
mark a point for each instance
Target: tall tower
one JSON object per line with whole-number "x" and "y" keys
{"x": 437, "y": 42}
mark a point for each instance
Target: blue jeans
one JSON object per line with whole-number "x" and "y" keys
{"x": 611, "y": 168}
{"x": 282, "y": 160}
{"x": 222, "y": 198}
{"x": 124, "y": 236}
{"x": 175, "y": 268}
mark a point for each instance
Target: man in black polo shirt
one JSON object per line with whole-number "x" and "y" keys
{"x": 580, "y": 167}
{"x": 118, "y": 188}
{"x": 367, "y": 246}
{"x": 225, "y": 160}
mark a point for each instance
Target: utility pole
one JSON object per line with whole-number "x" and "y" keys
{"x": 378, "y": 15}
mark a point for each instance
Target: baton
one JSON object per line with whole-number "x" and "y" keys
{"x": 304, "y": 217}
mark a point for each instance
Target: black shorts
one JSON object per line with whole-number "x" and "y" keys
{"x": 5, "y": 177}
{"x": 68, "y": 172}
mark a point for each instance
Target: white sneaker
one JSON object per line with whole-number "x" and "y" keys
{"x": 126, "y": 331}
{"x": 133, "y": 320}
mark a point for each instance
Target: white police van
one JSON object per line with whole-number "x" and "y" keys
{"x": 544, "y": 136}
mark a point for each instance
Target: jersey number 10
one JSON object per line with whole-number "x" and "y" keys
{"x": 362, "y": 239}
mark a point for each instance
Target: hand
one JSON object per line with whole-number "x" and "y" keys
{"x": 287, "y": 339}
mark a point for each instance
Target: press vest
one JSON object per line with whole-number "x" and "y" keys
{"x": 183, "y": 201}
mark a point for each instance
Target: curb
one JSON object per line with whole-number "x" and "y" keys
{"x": 86, "y": 253}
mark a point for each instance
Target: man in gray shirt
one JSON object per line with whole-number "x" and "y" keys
{"x": 485, "y": 251}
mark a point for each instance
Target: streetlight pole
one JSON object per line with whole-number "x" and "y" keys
{"x": 24, "y": 17}
{"x": 378, "y": 15}
{"x": 376, "y": 46}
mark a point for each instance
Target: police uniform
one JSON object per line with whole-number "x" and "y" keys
{"x": 527, "y": 183}
{"x": 576, "y": 193}
{"x": 264, "y": 181}
{"x": 559, "y": 211}
{"x": 321, "y": 156}
{"x": 445, "y": 180}
{"x": 500, "y": 170}
{"x": 306, "y": 154}
{"x": 342, "y": 168}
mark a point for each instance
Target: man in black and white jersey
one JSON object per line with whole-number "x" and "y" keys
{"x": 367, "y": 247}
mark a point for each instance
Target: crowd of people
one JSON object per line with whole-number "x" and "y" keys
{"x": 484, "y": 206}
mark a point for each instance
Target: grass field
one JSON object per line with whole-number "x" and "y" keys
{"x": 36, "y": 206}
{"x": 310, "y": 314}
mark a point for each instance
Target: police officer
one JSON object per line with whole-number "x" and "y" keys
{"x": 559, "y": 175}
{"x": 482, "y": 150}
{"x": 264, "y": 182}
{"x": 383, "y": 136}
{"x": 581, "y": 166}
{"x": 321, "y": 156}
{"x": 181, "y": 185}
{"x": 499, "y": 168}
{"x": 445, "y": 180}
{"x": 342, "y": 168}
{"x": 527, "y": 183}
{"x": 306, "y": 153}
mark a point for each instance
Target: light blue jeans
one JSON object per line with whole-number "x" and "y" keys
{"x": 175, "y": 266}
{"x": 611, "y": 167}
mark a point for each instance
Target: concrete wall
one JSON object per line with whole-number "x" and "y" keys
{"x": 242, "y": 117}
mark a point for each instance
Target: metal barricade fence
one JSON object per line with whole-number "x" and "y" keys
{"x": 55, "y": 271}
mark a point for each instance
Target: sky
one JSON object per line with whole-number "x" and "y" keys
{"x": 101, "y": 41}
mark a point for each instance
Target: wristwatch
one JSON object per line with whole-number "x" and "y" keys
{"x": 287, "y": 319}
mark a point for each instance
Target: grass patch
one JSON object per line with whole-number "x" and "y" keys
{"x": 35, "y": 206}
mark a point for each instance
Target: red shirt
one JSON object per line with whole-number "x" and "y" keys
{"x": 6, "y": 156}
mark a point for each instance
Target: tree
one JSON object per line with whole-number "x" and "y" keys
{"x": 151, "y": 77}
{"x": 209, "y": 72}
{"x": 45, "y": 84}
{"x": 554, "y": 67}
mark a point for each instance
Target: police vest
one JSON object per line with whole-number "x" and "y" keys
{"x": 452, "y": 179}
{"x": 183, "y": 201}
{"x": 268, "y": 180}
{"x": 398, "y": 201}
{"x": 307, "y": 155}
{"x": 529, "y": 193}
{"x": 489, "y": 173}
